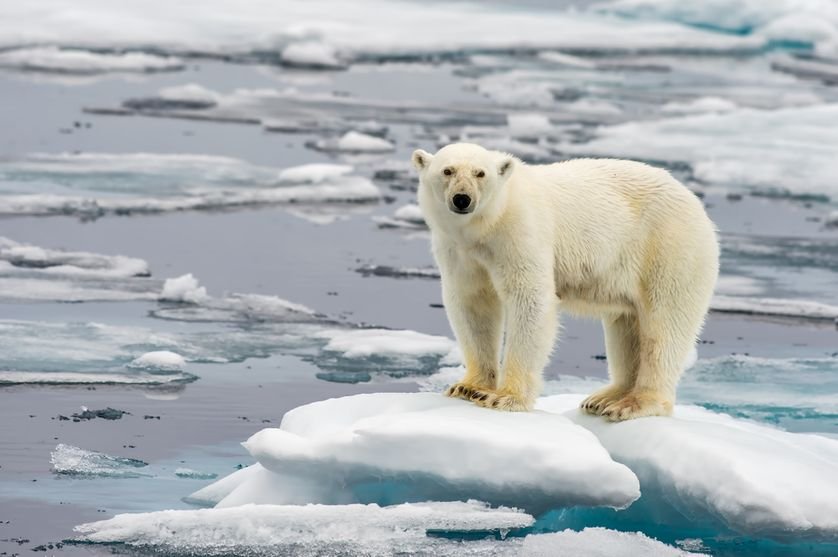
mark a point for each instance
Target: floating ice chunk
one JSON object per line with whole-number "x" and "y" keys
{"x": 73, "y": 461}
{"x": 160, "y": 360}
{"x": 374, "y": 448}
{"x": 737, "y": 148}
{"x": 191, "y": 92}
{"x": 314, "y": 173}
{"x": 355, "y": 142}
{"x": 81, "y": 378}
{"x": 363, "y": 343}
{"x": 723, "y": 472}
{"x": 398, "y": 272}
{"x": 777, "y": 307}
{"x": 699, "y": 106}
{"x": 407, "y": 216}
{"x": 183, "y": 289}
{"x": 53, "y": 59}
{"x": 312, "y": 54}
{"x": 308, "y": 529}
{"x": 597, "y": 542}
{"x": 70, "y": 263}
{"x": 528, "y": 124}
{"x": 195, "y": 474}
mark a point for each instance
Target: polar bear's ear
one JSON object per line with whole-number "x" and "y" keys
{"x": 506, "y": 166}
{"x": 421, "y": 159}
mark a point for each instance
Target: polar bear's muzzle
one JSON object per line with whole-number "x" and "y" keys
{"x": 461, "y": 203}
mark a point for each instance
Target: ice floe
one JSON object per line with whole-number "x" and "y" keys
{"x": 370, "y": 530}
{"x": 327, "y": 29}
{"x": 95, "y": 184}
{"x": 159, "y": 360}
{"x": 777, "y": 307}
{"x": 312, "y": 54}
{"x": 72, "y": 61}
{"x": 707, "y": 469}
{"x": 407, "y": 216}
{"x": 371, "y": 448}
{"x": 29, "y": 258}
{"x": 785, "y": 152}
{"x": 74, "y": 461}
{"x": 355, "y": 142}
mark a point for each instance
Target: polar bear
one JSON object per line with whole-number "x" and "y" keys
{"x": 614, "y": 239}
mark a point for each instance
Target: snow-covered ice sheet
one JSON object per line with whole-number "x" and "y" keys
{"x": 710, "y": 469}
{"x": 74, "y": 461}
{"x": 413, "y": 447}
{"x": 785, "y": 152}
{"x": 354, "y": 529}
{"x": 71, "y": 61}
{"x": 96, "y": 184}
{"x": 326, "y": 30}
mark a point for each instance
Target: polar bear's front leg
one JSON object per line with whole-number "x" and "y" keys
{"x": 476, "y": 316}
{"x": 531, "y": 323}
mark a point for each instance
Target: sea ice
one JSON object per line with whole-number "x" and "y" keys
{"x": 96, "y": 184}
{"x": 72, "y": 61}
{"x": 307, "y": 529}
{"x": 412, "y": 447}
{"x": 779, "y": 152}
{"x": 184, "y": 288}
{"x": 312, "y": 54}
{"x": 407, "y": 216}
{"x": 73, "y": 461}
{"x": 702, "y": 468}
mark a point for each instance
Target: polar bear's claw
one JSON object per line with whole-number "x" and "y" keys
{"x": 604, "y": 397}
{"x": 503, "y": 401}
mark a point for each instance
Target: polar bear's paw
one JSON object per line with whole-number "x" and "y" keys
{"x": 509, "y": 402}
{"x": 466, "y": 391}
{"x": 602, "y": 398}
{"x": 637, "y": 404}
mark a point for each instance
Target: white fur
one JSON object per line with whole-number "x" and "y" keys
{"x": 615, "y": 239}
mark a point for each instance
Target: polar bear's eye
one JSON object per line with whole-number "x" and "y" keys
{"x": 447, "y": 172}
{"x": 480, "y": 174}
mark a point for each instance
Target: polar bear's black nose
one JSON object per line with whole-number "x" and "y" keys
{"x": 461, "y": 201}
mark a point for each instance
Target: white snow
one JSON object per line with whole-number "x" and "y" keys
{"x": 314, "y": 529}
{"x": 314, "y": 173}
{"x": 363, "y": 28}
{"x": 184, "y": 288}
{"x": 750, "y": 478}
{"x": 356, "y": 142}
{"x": 312, "y": 54}
{"x": 426, "y": 446}
{"x": 53, "y": 59}
{"x": 159, "y": 360}
{"x": 785, "y": 151}
{"x": 70, "y": 460}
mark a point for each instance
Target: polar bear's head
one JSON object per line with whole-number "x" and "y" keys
{"x": 463, "y": 177}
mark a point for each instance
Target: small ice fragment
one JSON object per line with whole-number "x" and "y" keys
{"x": 195, "y": 474}
{"x": 183, "y": 289}
{"x": 160, "y": 360}
{"x": 312, "y": 54}
{"x": 74, "y": 461}
{"x": 355, "y": 142}
{"x": 314, "y": 173}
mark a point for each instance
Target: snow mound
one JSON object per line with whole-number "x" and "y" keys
{"x": 73, "y": 461}
{"x": 183, "y": 289}
{"x": 160, "y": 360}
{"x": 308, "y": 530}
{"x": 720, "y": 471}
{"x": 424, "y": 446}
{"x": 53, "y": 59}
